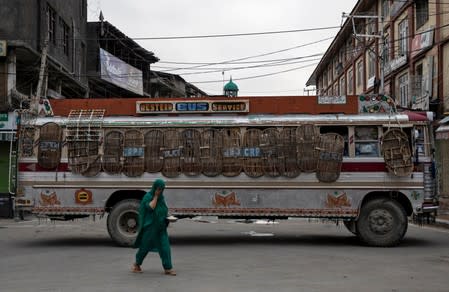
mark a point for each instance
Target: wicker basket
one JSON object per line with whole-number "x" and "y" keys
{"x": 395, "y": 148}
{"x": 190, "y": 152}
{"x": 232, "y": 161}
{"x": 287, "y": 156}
{"x": 27, "y": 141}
{"x": 113, "y": 150}
{"x": 331, "y": 148}
{"x": 252, "y": 158}
{"x": 171, "y": 151}
{"x": 269, "y": 145}
{"x": 307, "y": 139}
{"x": 83, "y": 157}
{"x": 49, "y": 150}
{"x": 154, "y": 161}
{"x": 133, "y": 157}
{"x": 211, "y": 152}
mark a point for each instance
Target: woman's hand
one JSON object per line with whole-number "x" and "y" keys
{"x": 153, "y": 202}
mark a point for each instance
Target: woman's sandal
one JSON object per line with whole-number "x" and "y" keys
{"x": 136, "y": 269}
{"x": 170, "y": 272}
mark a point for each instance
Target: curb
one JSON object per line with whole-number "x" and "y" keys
{"x": 442, "y": 222}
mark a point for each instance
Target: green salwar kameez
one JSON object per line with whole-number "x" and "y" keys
{"x": 152, "y": 235}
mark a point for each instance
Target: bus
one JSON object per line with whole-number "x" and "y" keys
{"x": 352, "y": 159}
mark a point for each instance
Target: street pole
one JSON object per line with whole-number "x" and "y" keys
{"x": 381, "y": 42}
{"x": 382, "y": 57}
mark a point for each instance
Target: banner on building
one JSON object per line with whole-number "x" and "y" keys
{"x": 120, "y": 73}
{"x": 422, "y": 41}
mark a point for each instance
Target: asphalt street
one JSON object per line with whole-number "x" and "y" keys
{"x": 223, "y": 255}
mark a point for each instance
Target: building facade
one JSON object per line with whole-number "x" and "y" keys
{"x": 48, "y": 50}
{"x": 28, "y": 29}
{"x": 119, "y": 67}
{"x": 398, "y": 49}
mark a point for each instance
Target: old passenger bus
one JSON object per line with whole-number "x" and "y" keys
{"x": 354, "y": 159}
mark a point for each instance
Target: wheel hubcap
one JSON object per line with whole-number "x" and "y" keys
{"x": 380, "y": 221}
{"x": 128, "y": 223}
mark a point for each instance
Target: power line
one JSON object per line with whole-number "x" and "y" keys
{"x": 280, "y": 62}
{"x": 257, "y": 76}
{"x": 251, "y": 67}
{"x": 255, "y": 56}
{"x": 196, "y": 36}
{"x": 243, "y": 62}
{"x": 234, "y": 34}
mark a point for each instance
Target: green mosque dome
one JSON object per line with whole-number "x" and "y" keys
{"x": 231, "y": 86}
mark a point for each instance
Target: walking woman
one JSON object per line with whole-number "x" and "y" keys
{"x": 152, "y": 235}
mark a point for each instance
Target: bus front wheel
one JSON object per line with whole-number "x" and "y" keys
{"x": 382, "y": 222}
{"x": 122, "y": 222}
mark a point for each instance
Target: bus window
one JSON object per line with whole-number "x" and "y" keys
{"x": 366, "y": 141}
{"x": 342, "y": 131}
{"x": 420, "y": 141}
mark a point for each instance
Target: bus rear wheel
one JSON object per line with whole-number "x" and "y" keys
{"x": 382, "y": 222}
{"x": 123, "y": 221}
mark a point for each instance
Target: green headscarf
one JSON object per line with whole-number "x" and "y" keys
{"x": 159, "y": 183}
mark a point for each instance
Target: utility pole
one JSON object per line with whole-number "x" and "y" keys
{"x": 34, "y": 106}
{"x": 382, "y": 42}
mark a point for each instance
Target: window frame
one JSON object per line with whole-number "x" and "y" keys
{"x": 359, "y": 72}
{"x": 51, "y": 24}
{"x": 422, "y": 12}
{"x": 350, "y": 81}
{"x": 403, "y": 86}
{"x": 367, "y": 141}
{"x": 403, "y": 37}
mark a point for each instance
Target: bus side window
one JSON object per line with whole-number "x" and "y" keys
{"x": 420, "y": 137}
{"x": 366, "y": 141}
{"x": 341, "y": 130}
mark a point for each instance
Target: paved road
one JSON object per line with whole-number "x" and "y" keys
{"x": 221, "y": 256}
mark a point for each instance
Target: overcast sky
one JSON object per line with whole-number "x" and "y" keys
{"x": 178, "y": 18}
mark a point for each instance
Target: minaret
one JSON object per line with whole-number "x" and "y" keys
{"x": 230, "y": 89}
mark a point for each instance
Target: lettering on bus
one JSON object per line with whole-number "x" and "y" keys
{"x": 228, "y": 106}
{"x": 198, "y": 106}
{"x": 171, "y": 153}
{"x": 192, "y": 106}
{"x": 49, "y": 145}
{"x": 154, "y": 107}
{"x": 133, "y": 152}
{"x": 252, "y": 152}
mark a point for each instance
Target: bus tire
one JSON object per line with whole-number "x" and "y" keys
{"x": 122, "y": 222}
{"x": 382, "y": 222}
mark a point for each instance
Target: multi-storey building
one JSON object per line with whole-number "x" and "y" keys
{"x": 118, "y": 66}
{"x": 30, "y": 28}
{"x": 396, "y": 48}
{"x": 42, "y": 53}
{"x": 49, "y": 50}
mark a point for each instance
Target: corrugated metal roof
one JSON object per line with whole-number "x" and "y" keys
{"x": 444, "y": 121}
{"x": 442, "y": 129}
